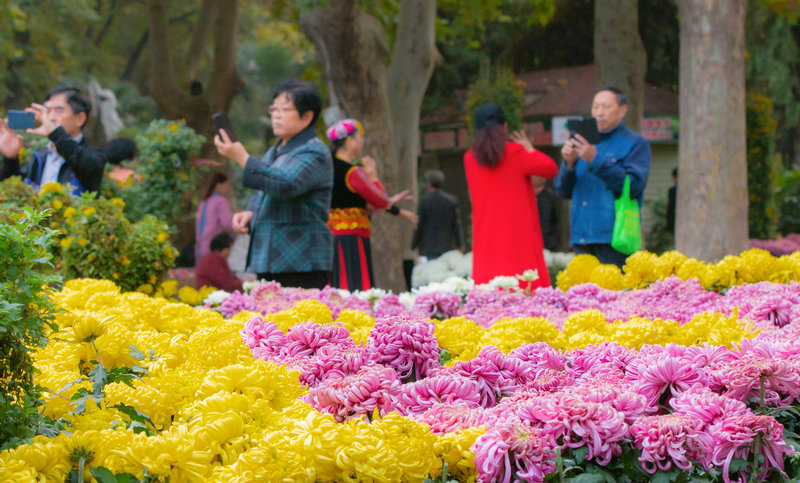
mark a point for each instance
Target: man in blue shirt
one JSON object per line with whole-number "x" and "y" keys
{"x": 592, "y": 176}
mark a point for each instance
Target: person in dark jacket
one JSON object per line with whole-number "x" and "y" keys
{"x": 439, "y": 228}
{"x": 67, "y": 159}
{"x": 213, "y": 269}
{"x": 547, "y": 202}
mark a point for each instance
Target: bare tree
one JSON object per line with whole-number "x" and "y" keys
{"x": 712, "y": 196}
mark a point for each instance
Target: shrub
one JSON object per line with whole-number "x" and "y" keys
{"x": 788, "y": 195}
{"x": 498, "y": 86}
{"x": 762, "y": 166}
{"x": 25, "y": 310}
{"x": 166, "y": 151}
{"x": 94, "y": 238}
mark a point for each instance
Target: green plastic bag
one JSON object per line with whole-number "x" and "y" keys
{"x": 627, "y": 224}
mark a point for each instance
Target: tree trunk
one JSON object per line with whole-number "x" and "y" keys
{"x": 354, "y": 52}
{"x": 711, "y": 219}
{"x": 172, "y": 96}
{"x": 619, "y": 54}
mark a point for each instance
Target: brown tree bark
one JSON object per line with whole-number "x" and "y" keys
{"x": 619, "y": 55}
{"x": 385, "y": 96}
{"x": 712, "y": 203}
{"x": 171, "y": 94}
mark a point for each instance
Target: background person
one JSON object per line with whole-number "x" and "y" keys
{"x": 592, "y": 176}
{"x": 547, "y": 202}
{"x": 672, "y": 199}
{"x": 439, "y": 229}
{"x": 290, "y": 241}
{"x": 356, "y": 188}
{"x": 507, "y": 239}
{"x": 117, "y": 151}
{"x": 67, "y": 159}
{"x": 213, "y": 270}
{"x": 213, "y": 215}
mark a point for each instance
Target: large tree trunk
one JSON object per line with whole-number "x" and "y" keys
{"x": 711, "y": 219}
{"x": 619, "y": 54}
{"x": 353, "y": 49}
{"x": 172, "y": 95}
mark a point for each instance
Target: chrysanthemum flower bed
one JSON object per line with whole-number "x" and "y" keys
{"x": 662, "y": 382}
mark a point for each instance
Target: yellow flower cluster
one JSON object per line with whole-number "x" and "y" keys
{"x": 643, "y": 268}
{"x": 217, "y": 414}
{"x": 464, "y": 339}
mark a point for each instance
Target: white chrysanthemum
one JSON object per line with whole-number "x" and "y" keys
{"x": 407, "y": 299}
{"x": 215, "y": 298}
{"x": 372, "y": 295}
{"x": 249, "y": 285}
{"x": 504, "y": 282}
{"x": 460, "y": 285}
{"x": 529, "y": 275}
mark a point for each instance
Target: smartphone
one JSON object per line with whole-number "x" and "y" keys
{"x": 20, "y": 119}
{"x": 586, "y": 128}
{"x": 223, "y": 122}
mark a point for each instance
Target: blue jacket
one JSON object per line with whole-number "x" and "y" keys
{"x": 594, "y": 186}
{"x": 288, "y": 232}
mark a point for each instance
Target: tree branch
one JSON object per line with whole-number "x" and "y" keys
{"x": 163, "y": 86}
{"x": 209, "y": 12}
{"x": 225, "y": 82}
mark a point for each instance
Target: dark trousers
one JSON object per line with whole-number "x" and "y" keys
{"x": 603, "y": 252}
{"x": 314, "y": 279}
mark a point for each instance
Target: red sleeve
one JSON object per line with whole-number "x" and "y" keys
{"x": 534, "y": 163}
{"x": 213, "y": 270}
{"x": 372, "y": 192}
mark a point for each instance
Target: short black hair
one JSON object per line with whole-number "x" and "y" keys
{"x": 77, "y": 100}
{"x": 675, "y": 173}
{"x": 119, "y": 150}
{"x": 622, "y": 98}
{"x": 221, "y": 242}
{"x": 304, "y": 95}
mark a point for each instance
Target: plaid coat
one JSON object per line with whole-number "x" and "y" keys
{"x": 288, "y": 232}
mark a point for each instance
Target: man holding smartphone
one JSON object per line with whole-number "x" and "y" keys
{"x": 67, "y": 159}
{"x": 592, "y": 176}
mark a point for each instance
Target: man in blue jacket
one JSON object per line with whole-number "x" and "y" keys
{"x": 290, "y": 241}
{"x": 593, "y": 175}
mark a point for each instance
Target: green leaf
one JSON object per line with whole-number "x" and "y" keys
{"x": 587, "y": 478}
{"x": 103, "y": 475}
{"x": 99, "y": 378}
{"x": 136, "y": 353}
{"x": 580, "y": 454}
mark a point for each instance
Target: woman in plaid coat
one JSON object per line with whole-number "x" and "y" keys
{"x": 290, "y": 241}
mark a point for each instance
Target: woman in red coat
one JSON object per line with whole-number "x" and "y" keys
{"x": 506, "y": 236}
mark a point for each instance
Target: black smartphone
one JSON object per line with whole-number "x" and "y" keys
{"x": 586, "y": 128}
{"x": 222, "y": 121}
{"x": 20, "y": 119}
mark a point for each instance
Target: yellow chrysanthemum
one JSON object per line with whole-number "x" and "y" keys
{"x": 57, "y": 204}
{"x": 162, "y": 237}
{"x": 51, "y": 188}
{"x": 66, "y": 242}
{"x": 89, "y": 211}
{"x": 357, "y": 323}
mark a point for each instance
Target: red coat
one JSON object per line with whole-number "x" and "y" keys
{"x": 213, "y": 271}
{"x": 506, "y": 236}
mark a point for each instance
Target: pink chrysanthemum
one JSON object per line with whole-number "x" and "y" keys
{"x": 743, "y": 379}
{"x": 667, "y": 440}
{"x": 438, "y": 305}
{"x": 388, "y": 305}
{"x": 663, "y": 376}
{"x": 512, "y": 449}
{"x": 446, "y": 417}
{"x": 597, "y": 358}
{"x": 260, "y": 333}
{"x": 542, "y": 355}
{"x": 578, "y": 423}
{"x": 343, "y": 359}
{"x": 406, "y": 344}
{"x": 707, "y": 406}
{"x": 356, "y": 395}
{"x": 629, "y": 403}
{"x": 235, "y": 303}
{"x": 735, "y": 437}
{"x": 498, "y": 374}
{"x": 306, "y": 338}
{"x": 419, "y": 396}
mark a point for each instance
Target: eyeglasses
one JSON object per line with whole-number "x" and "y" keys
{"x": 282, "y": 110}
{"x": 55, "y": 108}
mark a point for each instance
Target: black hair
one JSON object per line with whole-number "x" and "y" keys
{"x": 221, "y": 242}
{"x": 216, "y": 179}
{"x": 304, "y": 95}
{"x": 119, "y": 150}
{"x": 622, "y": 98}
{"x": 489, "y": 144}
{"x": 77, "y": 100}
{"x": 337, "y": 145}
{"x": 675, "y": 173}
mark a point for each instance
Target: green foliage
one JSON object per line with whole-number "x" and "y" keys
{"x": 658, "y": 240}
{"x": 167, "y": 174}
{"x": 500, "y": 86}
{"x": 762, "y": 166}
{"x": 788, "y": 199}
{"x": 94, "y": 239}
{"x": 25, "y": 311}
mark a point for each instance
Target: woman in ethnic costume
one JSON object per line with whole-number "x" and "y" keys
{"x": 356, "y": 192}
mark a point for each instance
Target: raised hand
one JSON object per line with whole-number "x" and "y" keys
{"x": 10, "y": 142}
